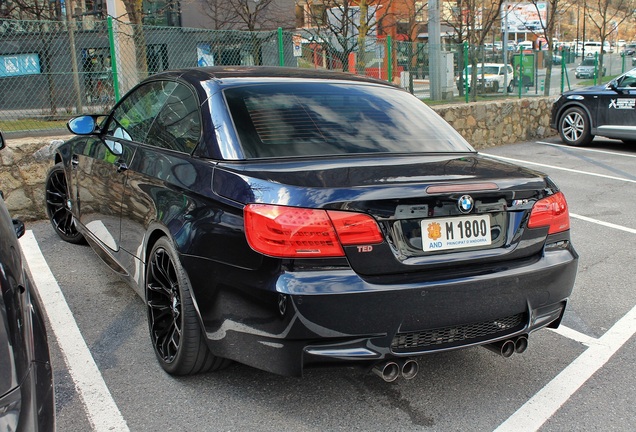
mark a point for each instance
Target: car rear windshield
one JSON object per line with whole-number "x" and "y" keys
{"x": 315, "y": 119}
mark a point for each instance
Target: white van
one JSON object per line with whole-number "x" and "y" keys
{"x": 592, "y": 48}
{"x": 525, "y": 46}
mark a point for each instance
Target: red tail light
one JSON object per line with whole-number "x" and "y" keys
{"x": 552, "y": 212}
{"x": 291, "y": 232}
{"x": 355, "y": 228}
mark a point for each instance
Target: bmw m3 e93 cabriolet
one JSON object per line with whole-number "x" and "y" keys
{"x": 288, "y": 218}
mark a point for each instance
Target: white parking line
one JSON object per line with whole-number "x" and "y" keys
{"x": 524, "y": 162}
{"x": 629, "y": 155}
{"x": 534, "y": 413}
{"x": 101, "y": 410}
{"x": 543, "y": 405}
{"x": 605, "y": 224}
{"x": 575, "y": 335}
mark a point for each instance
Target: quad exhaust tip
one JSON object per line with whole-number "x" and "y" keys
{"x": 508, "y": 347}
{"x": 391, "y": 370}
{"x": 521, "y": 344}
{"x": 409, "y": 368}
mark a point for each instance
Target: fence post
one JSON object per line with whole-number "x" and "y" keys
{"x": 281, "y": 56}
{"x": 389, "y": 50}
{"x": 520, "y": 76}
{"x": 563, "y": 70}
{"x": 623, "y": 63}
{"x": 596, "y": 71}
{"x": 113, "y": 58}
{"x": 465, "y": 71}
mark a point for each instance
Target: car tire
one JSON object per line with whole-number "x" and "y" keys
{"x": 574, "y": 127}
{"x": 495, "y": 87}
{"x": 173, "y": 323}
{"x": 511, "y": 87}
{"x": 57, "y": 208}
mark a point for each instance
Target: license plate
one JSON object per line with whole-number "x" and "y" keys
{"x": 455, "y": 232}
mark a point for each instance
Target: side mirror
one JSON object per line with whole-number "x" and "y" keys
{"x": 18, "y": 226}
{"x": 83, "y": 125}
{"x": 613, "y": 85}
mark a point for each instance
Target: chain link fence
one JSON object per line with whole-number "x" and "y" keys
{"x": 51, "y": 70}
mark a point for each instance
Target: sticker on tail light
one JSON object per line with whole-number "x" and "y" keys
{"x": 455, "y": 232}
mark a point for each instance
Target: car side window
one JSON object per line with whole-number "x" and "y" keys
{"x": 628, "y": 80}
{"x": 178, "y": 125}
{"x": 133, "y": 118}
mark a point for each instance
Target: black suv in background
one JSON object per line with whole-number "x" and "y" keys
{"x": 26, "y": 379}
{"x": 607, "y": 110}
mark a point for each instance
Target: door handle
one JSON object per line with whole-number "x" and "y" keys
{"x": 121, "y": 166}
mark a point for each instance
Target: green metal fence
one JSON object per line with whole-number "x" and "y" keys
{"x": 51, "y": 71}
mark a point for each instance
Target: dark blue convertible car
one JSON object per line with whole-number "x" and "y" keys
{"x": 288, "y": 218}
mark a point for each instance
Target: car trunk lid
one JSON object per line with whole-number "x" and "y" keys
{"x": 434, "y": 211}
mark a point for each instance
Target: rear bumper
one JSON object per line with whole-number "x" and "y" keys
{"x": 299, "y": 319}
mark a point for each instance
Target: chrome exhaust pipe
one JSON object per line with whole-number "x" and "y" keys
{"x": 521, "y": 344}
{"x": 389, "y": 371}
{"x": 504, "y": 348}
{"x": 409, "y": 368}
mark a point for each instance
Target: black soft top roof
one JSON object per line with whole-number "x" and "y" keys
{"x": 224, "y": 72}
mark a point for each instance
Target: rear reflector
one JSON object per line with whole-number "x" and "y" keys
{"x": 551, "y": 212}
{"x": 292, "y": 232}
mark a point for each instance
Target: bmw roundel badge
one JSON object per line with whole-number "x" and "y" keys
{"x": 465, "y": 204}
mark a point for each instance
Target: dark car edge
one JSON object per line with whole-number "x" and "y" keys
{"x": 27, "y": 401}
{"x": 302, "y": 218}
{"x": 607, "y": 110}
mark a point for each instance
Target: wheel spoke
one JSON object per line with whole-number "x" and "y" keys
{"x": 159, "y": 289}
{"x": 573, "y": 127}
{"x": 164, "y": 305}
{"x": 56, "y": 197}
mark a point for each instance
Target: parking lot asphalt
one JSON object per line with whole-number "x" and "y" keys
{"x": 579, "y": 377}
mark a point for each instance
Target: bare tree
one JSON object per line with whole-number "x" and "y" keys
{"x": 408, "y": 23}
{"x": 218, "y": 13}
{"x": 250, "y": 15}
{"x": 44, "y": 12}
{"x": 473, "y": 22}
{"x": 556, "y": 10}
{"x": 135, "y": 14}
{"x": 606, "y": 16}
{"x": 343, "y": 26}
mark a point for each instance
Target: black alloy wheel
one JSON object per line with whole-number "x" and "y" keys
{"x": 172, "y": 319}
{"x": 57, "y": 206}
{"x": 574, "y": 127}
